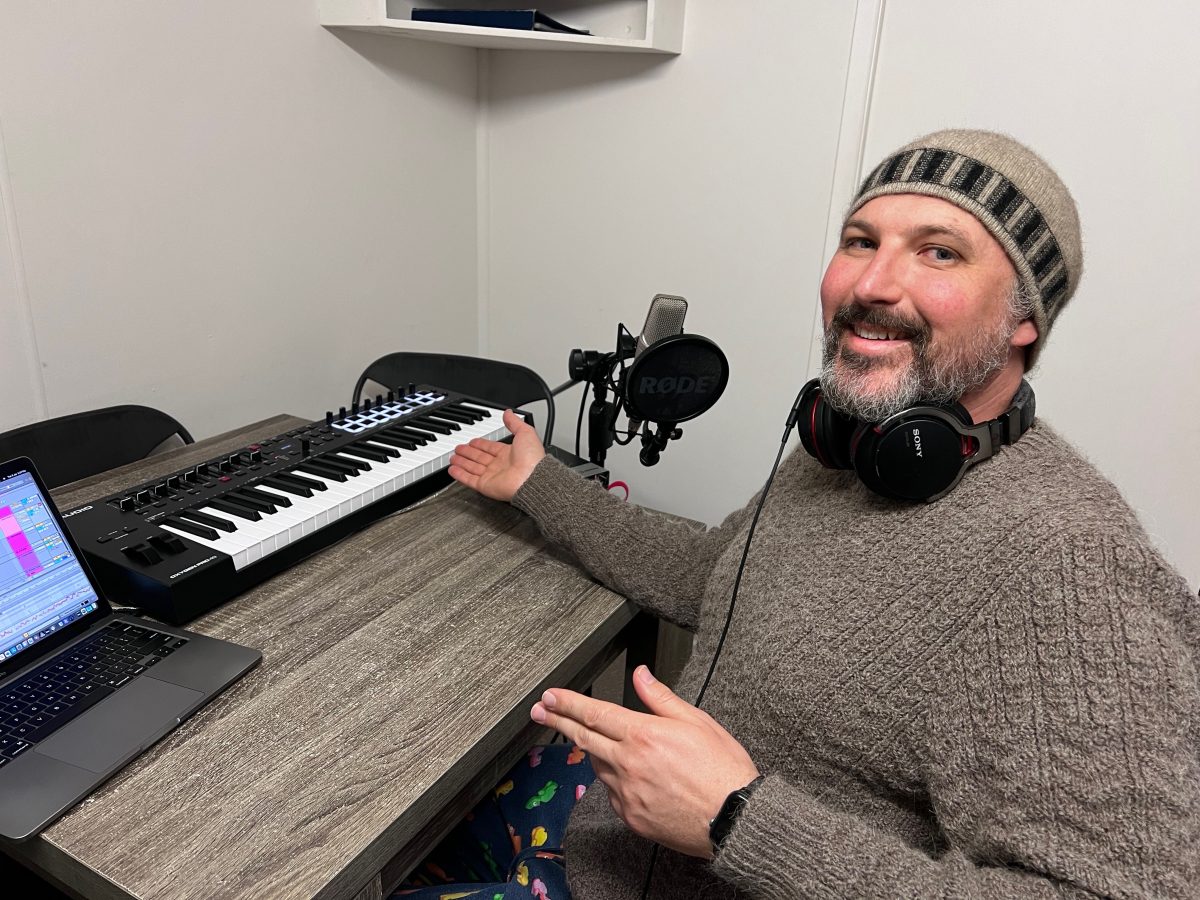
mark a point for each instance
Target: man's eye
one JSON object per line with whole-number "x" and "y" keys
{"x": 942, "y": 254}
{"x": 857, "y": 243}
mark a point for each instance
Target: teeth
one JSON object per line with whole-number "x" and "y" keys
{"x": 873, "y": 334}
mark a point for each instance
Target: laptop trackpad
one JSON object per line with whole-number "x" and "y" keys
{"x": 122, "y": 725}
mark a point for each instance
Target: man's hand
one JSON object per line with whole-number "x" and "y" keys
{"x": 667, "y": 773}
{"x": 495, "y": 469}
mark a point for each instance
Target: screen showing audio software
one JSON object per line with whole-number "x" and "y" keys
{"x": 43, "y": 588}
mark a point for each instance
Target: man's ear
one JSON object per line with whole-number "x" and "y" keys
{"x": 1025, "y": 334}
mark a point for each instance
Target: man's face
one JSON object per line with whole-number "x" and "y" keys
{"x": 917, "y": 307}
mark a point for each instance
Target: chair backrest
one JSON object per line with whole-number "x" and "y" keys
{"x": 488, "y": 379}
{"x": 68, "y": 448}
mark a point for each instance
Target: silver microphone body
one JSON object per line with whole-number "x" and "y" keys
{"x": 663, "y": 319}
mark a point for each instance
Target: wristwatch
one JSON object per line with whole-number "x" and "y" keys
{"x": 722, "y": 823}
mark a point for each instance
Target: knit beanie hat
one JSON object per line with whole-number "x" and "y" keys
{"x": 1012, "y": 192}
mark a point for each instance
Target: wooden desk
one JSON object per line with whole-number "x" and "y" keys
{"x": 398, "y": 671}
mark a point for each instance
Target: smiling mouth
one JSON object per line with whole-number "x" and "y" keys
{"x": 874, "y": 333}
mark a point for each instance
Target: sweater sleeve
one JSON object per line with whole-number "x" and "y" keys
{"x": 1064, "y": 762}
{"x": 658, "y": 561}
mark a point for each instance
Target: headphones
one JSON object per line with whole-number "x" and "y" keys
{"x": 919, "y": 453}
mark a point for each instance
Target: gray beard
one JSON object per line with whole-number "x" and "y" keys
{"x": 935, "y": 376}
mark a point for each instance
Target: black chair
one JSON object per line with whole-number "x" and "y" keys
{"x": 488, "y": 379}
{"x": 68, "y": 448}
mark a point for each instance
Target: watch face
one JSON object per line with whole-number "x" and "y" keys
{"x": 723, "y": 822}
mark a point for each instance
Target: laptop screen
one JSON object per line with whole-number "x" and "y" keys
{"x": 43, "y": 588}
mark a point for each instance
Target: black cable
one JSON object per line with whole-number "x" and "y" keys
{"x": 629, "y": 437}
{"x": 579, "y": 422}
{"x": 737, "y": 583}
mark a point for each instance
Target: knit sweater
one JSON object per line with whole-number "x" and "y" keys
{"x": 994, "y": 695}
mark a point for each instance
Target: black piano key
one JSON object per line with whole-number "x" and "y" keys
{"x": 205, "y": 519}
{"x": 300, "y": 481}
{"x": 316, "y": 468}
{"x": 192, "y": 527}
{"x": 427, "y": 424}
{"x": 426, "y": 433}
{"x": 445, "y": 412}
{"x": 430, "y": 432}
{"x": 476, "y": 414}
{"x": 387, "y": 450}
{"x": 243, "y": 497}
{"x": 439, "y": 419}
{"x": 410, "y": 434}
{"x": 393, "y": 441}
{"x": 288, "y": 487}
{"x": 360, "y": 449}
{"x": 351, "y": 466}
{"x": 331, "y": 462}
{"x": 235, "y": 509}
{"x": 264, "y": 496}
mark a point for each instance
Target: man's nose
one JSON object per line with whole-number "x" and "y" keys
{"x": 881, "y": 281}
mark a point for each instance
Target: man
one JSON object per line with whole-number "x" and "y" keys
{"x": 991, "y": 695}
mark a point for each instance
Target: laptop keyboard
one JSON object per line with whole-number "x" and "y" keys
{"x": 76, "y": 680}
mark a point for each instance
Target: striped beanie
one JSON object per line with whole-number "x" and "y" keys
{"x": 1012, "y": 192}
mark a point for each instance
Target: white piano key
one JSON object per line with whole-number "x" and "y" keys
{"x": 287, "y": 522}
{"x": 305, "y": 510}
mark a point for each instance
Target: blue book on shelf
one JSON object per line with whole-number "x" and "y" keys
{"x": 521, "y": 19}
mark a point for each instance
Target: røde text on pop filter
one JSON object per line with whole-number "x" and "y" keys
{"x": 675, "y": 379}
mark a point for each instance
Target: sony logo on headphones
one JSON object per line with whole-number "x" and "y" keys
{"x": 917, "y": 442}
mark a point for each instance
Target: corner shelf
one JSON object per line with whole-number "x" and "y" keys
{"x": 647, "y": 26}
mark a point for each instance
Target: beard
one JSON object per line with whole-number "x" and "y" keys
{"x": 939, "y": 373}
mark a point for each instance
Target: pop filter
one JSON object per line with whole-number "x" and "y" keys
{"x": 675, "y": 379}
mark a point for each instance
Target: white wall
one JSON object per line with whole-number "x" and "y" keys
{"x": 706, "y": 175}
{"x": 1109, "y": 96}
{"x": 223, "y": 209}
{"x": 712, "y": 175}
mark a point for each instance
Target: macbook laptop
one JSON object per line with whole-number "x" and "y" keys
{"x": 82, "y": 690}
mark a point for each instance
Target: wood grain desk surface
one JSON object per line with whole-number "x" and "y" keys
{"x": 396, "y": 666}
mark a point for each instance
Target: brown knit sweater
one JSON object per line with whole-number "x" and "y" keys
{"x": 995, "y": 695}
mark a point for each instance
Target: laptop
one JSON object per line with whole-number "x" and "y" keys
{"x": 82, "y": 690}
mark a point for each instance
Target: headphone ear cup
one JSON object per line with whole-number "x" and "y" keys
{"x": 824, "y": 432}
{"x": 917, "y": 456}
{"x": 864, "y": 451}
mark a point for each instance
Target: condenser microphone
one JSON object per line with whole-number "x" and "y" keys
{"x": 663, "y": 319}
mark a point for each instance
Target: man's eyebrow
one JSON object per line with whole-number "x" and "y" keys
{"x": 916, "y": 232}
{"x": 947, "y": 230}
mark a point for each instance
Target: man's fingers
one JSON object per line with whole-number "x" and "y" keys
{"x": 468, "y": 465}
{"x": 515, "y": 423}
{"x": 602, "y": 748}
{"x": 659, "y": 698}
{"x": 483, "y": 452}
{"x": 605, "y": 718}
{"x": 462, "y": 476}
